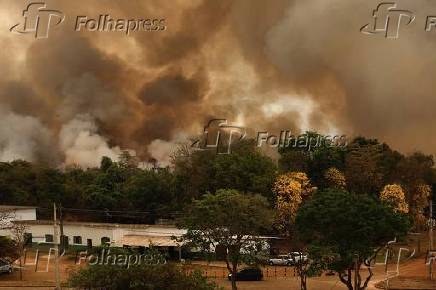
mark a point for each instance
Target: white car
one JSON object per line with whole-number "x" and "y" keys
{"x": 281, "y": 260}
{"x": 298, "y": 257}
{"x": 5, "y": 266}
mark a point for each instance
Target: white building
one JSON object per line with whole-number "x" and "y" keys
{"x": 11, "y": 213}
{"x": 95, "y": 234}
{"x": 26, "y": 213}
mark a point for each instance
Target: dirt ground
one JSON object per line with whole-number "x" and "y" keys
{"x": 414, "y": 275}
{"x": 276, "y": 278}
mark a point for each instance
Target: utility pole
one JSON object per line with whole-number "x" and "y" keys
{"x": 56, "y": 243}
{"x": 431, "y": 224}
{"x": 356, "y": 270}
{"x": 61, "y": 226}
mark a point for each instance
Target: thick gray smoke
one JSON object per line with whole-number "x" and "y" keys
{"x": 81, "y": 144}
{"x": 300, "y": 65}
{"x": 23, "y": 137}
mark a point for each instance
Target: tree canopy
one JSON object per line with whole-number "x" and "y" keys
{"x": 228, "y": 219}
{"x": 351, "y": 228}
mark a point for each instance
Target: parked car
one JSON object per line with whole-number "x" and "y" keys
{"x": 5, "y": 266}
{"x": 248, "y": 274}
{"x": 298, "y": 257}
{"x": 281, "y": 260}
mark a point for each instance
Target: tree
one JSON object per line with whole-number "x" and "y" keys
{"x": 8, "y": 249}
{"x": 50, "y": 185}
{"x": 294, "y": 160}
{"x": 335, "y": 178}
{"x": 394, "y": 196}
{"x": 314, "y": 266}
{"x": 415, "y": 172}
{"x": 151, "y": 190}
{"x": 105, "y": 163}
{"x": 351, "y": 229}
{"x": 17, "y": 183}
{"x": 127, "y": 160}
{"x": 19, "y": 236}
{"x": 12, "y": 248}
{"x": 312, "y": 158}
{"x": 414, "y": 169}
{"x": 290, "y": 189}
{"x": 5, "y": 219}
{"x": 420, "y": 199}
{"x": 192, "y": 169}
{"x": 362, "y": 166}
{"x": 324, "y": 158}
{"x": 229, "y": 219}
{"x": 245, "y": 169}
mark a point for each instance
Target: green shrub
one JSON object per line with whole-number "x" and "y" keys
{"x": 143, "y": 277}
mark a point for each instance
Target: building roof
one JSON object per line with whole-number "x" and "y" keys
{"x": 94, "y": 224}
{"x": 146, "y": 241}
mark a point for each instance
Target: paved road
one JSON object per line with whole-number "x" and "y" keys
{"x": 287, "y": 283}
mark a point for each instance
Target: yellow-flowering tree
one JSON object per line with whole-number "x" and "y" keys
{"x": 393, "y": 195}
{"x": 335, "y": 178}
{"x": 291, "y": 189}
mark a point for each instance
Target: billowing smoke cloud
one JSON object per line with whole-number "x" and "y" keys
{"x": 265, "y": 65}
{"x": 161, "y": 151}
{"x": 23, "y": 137}
{"x": 81, "y": 143}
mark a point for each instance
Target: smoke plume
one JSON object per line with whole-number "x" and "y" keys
{"x": 283, "y": 65}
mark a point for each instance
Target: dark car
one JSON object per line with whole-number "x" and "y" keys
{"x": 5, "y": 266}
{"x": 248, "y": 274}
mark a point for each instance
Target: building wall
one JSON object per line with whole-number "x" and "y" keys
{"x": 25, "y": 214}
{"x": 95, "y": 232}
{"x": 85, "y": 232}
{"x": 21, "y": 214}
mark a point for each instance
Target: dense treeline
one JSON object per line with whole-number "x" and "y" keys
{"x": 366, "y": 164}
